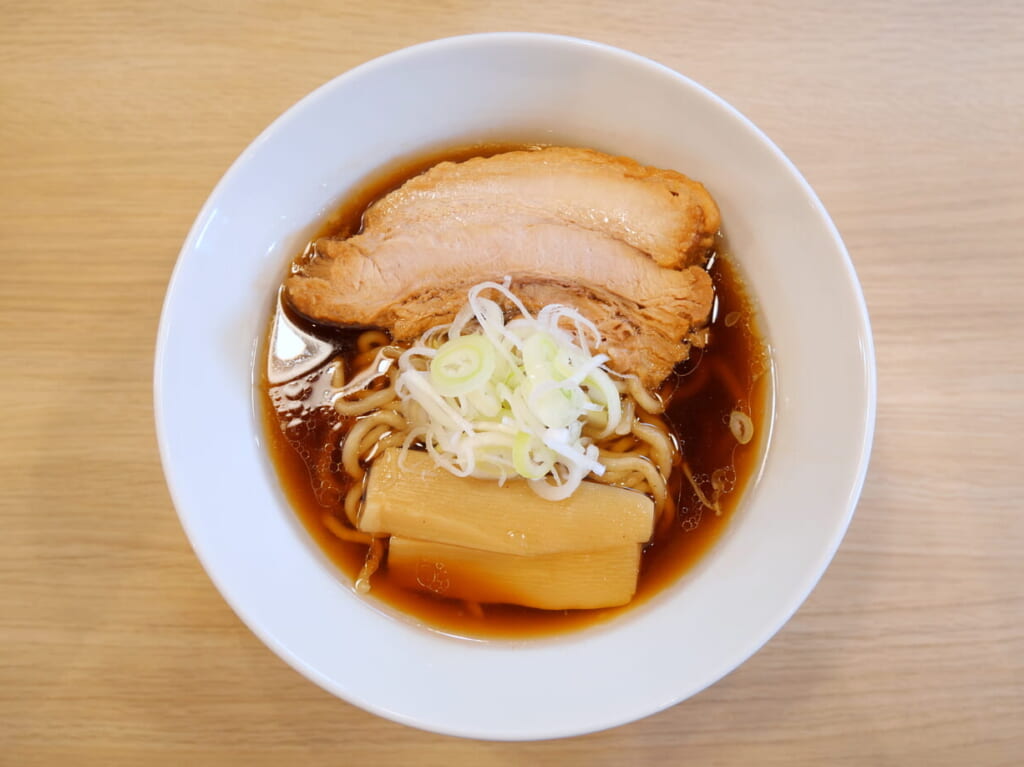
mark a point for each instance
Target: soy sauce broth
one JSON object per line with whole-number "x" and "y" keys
{"x": 731, "y": 373}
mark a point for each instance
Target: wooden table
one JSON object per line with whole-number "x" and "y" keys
{"x": 118, "y": 118}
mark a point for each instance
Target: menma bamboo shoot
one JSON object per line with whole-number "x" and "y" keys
{"x": 564, "y": 581}
{"x": 421, "y": 501}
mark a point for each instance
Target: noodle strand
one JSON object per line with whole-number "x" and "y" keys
{"x": 374, "y": 554}
{"x": 339, "y": 530}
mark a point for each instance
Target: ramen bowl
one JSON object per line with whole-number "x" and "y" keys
{"x": 512, "y": 88}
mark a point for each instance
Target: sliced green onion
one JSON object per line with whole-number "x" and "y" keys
{"x": 531, "y": 460}
{"x": 510, "y": 398}
{"x": 462, "y": 365}
{"x": 607, "y": 395}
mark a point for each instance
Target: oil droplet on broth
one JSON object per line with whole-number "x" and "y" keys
{"x": 433, "y": 576}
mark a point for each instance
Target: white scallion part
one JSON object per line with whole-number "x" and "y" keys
{"x": 496, "y": 399}
{"x": 741, "y": 426}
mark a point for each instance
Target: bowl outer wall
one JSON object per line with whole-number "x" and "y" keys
{"x": 554, "y": 90}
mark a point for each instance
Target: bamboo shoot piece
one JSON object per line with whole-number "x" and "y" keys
{"x": 424, "y": 502}
{"x": 563, "y": 581}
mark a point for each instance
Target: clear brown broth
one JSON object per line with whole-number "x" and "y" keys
{"x": 730, "y": 373}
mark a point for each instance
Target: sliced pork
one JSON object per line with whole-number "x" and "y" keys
{"x": 660, "y": 212}
{"x": 623, "y": 243}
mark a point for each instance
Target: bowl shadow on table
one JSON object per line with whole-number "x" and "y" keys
{"x": 792, "y": 684}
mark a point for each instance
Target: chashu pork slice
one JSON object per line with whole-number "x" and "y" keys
{"x": 623, "y": 243}
{"x": 418, "y": 278}
{"x": 660, "y": 212}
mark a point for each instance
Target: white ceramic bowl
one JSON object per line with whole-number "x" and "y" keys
{"x": 546, "y": 89}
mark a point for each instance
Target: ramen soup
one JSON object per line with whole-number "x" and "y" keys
{"x": 506, "y": 445}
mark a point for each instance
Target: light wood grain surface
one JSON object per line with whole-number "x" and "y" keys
{"x": 116, "y": 120}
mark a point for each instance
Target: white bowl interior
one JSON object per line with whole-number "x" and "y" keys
{"x": 512, "y": 87}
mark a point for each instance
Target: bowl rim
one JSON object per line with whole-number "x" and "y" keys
{"x": 753, "y": 644}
